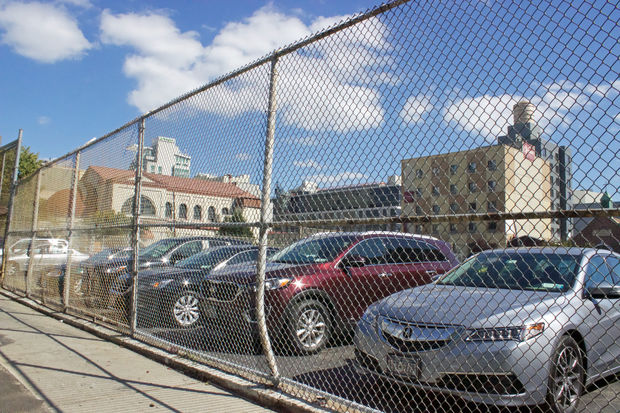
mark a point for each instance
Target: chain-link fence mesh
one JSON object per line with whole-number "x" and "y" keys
{"x": 413, "y": 210}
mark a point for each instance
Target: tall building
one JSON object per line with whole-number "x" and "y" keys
{"x": 164, "y": 157}
{"x": 308, "y": 202}
{"x": 525, "y": 130}
{"x": 498, "y": 178}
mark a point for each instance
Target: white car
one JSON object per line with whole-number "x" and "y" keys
{"x": 46, "y": 252}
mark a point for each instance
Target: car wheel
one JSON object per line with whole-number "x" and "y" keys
{"x": 309, "y": 326}
{"x": 186, "y": 309}
{"x": 566, "y": 377}
{"x": 12, "y": 269}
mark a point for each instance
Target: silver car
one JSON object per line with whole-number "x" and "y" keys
{"x": 506, "y": 327}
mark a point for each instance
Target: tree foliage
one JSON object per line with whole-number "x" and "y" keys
{"x": 237, "y": 216}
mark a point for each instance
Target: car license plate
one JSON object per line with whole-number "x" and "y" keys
{"x": 404, "y": 366}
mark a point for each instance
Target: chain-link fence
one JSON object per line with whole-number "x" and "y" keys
{"x": 412, "y": 210}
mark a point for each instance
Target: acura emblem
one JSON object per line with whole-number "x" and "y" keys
{"x": 407, "y": 332}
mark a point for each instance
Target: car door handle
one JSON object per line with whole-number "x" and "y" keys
{"x": 431, "y": 272}
{"x": 385, "y": 274}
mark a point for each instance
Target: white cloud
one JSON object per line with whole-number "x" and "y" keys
{"x": 557, "y": 105}
{"x": 325, "y": 87}
{"x": 42, "y": 32}
{"x": 305, "y": 141}
{"x": 415, "y": 108}
{"x": 43, "y": 120}
{"x": 243, "y": 156}
{"x": 341, "y": 178}
{"x": 307, "y": 164}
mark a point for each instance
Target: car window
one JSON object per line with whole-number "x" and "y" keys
{"x": 598, "y": 272}
{"x": 401, "y": 250}
{"x": 373, "y": 250}
{"x": 614, "y": 265}
{"x": 244, "y": 257}
{"x": 188, "y": 249}
{"x": 20, "y": 247}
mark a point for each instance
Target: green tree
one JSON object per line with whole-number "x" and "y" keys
{"x": 244, "y": 232}
{"x": 28, "y": 162}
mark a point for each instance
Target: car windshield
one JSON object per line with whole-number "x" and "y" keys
{"x": 552, "y": 272}
{"x": 314, "y": 250}
{"x": 158, "y": 249}
{"x": 208, "y": 259}
{"x": 110, "y": 253}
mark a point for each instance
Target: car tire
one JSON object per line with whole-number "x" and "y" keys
{"x": 309, "y": 327}
{"x": 566, "y": 377}
{"x": 185, "y": 309}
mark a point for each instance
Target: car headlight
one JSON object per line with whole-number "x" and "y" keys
{"x": 275, "y": 283}
{"x": 371, "y": 314}
{"x": 161, "y": 283}
{"x": 115, "y": 270}
{"x": 520, "y": 333}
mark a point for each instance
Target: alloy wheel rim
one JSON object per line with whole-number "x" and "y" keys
{"x": 186, "y": 310}
{"x": 567, "y": 378}
{"x": 310, "y": 328}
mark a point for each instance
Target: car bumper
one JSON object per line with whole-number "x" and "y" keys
{"x": 506, "y": 373}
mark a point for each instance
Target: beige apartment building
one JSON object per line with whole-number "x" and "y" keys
{"x": 498, "y": 178}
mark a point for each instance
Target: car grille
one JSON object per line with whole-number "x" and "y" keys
{"x": 406, "y": 337}
{"x": 221, "y": 291}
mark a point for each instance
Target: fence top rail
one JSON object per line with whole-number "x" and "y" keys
{"x": 355, "y": 19}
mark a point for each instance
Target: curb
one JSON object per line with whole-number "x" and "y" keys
{"x": 265, "y": 396}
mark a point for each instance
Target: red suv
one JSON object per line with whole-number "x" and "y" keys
{"x": 323, "y": 284}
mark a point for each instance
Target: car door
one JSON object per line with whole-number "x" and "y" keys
{"x": 603, "y": 319}
{"x": 367, "y": 283}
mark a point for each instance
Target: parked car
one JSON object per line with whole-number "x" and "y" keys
{"x": 319, "y": 287}
{"x": 170, "y": 296}
{"x": 506, "y": 327}
{"x": 45, "y": 253}
{"x": 101, "y": 276}
{"x": 56, "y": 277}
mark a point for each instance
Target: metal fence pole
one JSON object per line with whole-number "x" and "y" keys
{"x": 9, "y": 215}
{"x": 35, "y": 224}
{"x": 135, "y": 238}
{"x": 265, "y": 224}
{"x": 74, "y": 191}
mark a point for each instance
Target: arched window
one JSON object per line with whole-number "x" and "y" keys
{"x": 183, "y": 211}
{"x": 224, "y": 211}
{"x": 211, "y": 214}
{"x": 168, "y": 210}
{"x": 146, "y": 206}
{"x": 197, "y": 213}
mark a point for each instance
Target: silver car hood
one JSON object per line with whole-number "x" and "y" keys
{"x": 469, "y": 306}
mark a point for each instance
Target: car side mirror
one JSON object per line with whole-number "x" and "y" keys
{"x": 353, "y": 261}
{"x": 603, "y": 290}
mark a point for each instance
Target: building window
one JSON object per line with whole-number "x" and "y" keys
{"x": 471, "y": 168}
{"x": 419, "y": 229}
{"x": 419, "y": 173}
{"x": 453, "y": 169}
{"x": 473, "y": 187}
{"x": 492, "y": 226}
{"x": 159, "y": 170}
{"x": 453, "y": 190}
{"x": 197, "y": 213}
{"x": 224, "y": 211}
{"x": 435, "y": 228}
{"x": 183, "y": 211}
{"x": 436, "y": 171}
{"x": 453, "y": 228}
{"x": 168, "y": 210}
{"x": 492, "y": 206}
{"x": 211, "y": 214}
{"x": 418, "y": 210}
{"x": 418, "y": 192}
{"x": 146, "y": 206}
{"x": 152, "y": 168}
{"x": 436, "y": 209}
{"x": 436, "y": 190}
{"x": 473, "y": 207}
{"x": 552, "y": 179}
{"x": 491, "y": 185}
{"x": 492, "y": 165}
{"x": 454, "y": 207}
{"x": 472, "y": 227}
{"x": 552, "y": 192}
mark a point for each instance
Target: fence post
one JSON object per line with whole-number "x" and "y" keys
{"x": 265, "y": 221}
{"x": 35, "y": 225}
{"x": 74, "y": 192}
{"x": 9, "y": 215}
{"x": 135, "y": 236}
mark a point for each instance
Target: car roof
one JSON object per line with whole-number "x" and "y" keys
{"x": 364, "y": 234}
{"x": 549, "y": 250}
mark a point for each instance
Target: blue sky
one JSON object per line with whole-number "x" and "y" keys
{"x": 411, "y": 82}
